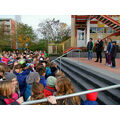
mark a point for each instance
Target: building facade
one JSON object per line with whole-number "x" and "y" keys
{"x": 9, "y": 30}
{"x": 84, "y": 27}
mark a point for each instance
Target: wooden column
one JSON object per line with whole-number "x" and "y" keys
{"x": 73, "y": 31}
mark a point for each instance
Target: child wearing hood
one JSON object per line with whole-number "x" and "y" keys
{"x": 91, "y": 99}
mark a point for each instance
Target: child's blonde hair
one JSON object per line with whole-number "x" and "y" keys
{"x": 6, "y": 88}
{"x": 59, "y": 74}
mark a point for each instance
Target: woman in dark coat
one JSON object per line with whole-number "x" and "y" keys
{"x": 96, "y": 48}
{"x": 99, "y": 51}
{"x": 113, "y": 54}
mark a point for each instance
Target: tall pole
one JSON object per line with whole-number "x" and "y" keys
{"x": 16, "y": 36}
{"x": 48, "y": 47}
{"x": 88, "y": 30}
{"x": 73, "y": 31}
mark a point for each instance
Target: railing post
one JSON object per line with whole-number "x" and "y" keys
{"x": 71, "y": 54}
{"x": 60, "y": 63}
{"x": 79, "y": 57}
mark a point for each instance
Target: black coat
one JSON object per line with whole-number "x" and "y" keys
{"x": 96, "y": 47}
{"x": 114, "y": 51}
{"x": 100, "y": 46}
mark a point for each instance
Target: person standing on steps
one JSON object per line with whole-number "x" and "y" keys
{"x": 113, "y": 54}
{"x": 109, "y": 48}
{"x": 105, "y": 50}
{"x": 90, "y": 49}
{"x": 96, "y": 47}
{"x": 100, "y": 47}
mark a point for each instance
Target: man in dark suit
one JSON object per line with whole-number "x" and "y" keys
{"x": 99, "y": 51}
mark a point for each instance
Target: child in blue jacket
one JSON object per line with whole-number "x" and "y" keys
{"x": 21, "y": 77}
{"x": 41, "y": 70}
{"x": 47, "y": 67}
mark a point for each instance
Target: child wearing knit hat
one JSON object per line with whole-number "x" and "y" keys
{"x": 13, "y": 79}
{"x": 91, "y": 99}
{"x": 33, "y": 77}
{"x": 10, "y": 77}
{"x": 50, "y": 90}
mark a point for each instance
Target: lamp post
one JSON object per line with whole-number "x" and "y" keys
{"x": 16, "y": 36}
{"x": 48, "y": 47}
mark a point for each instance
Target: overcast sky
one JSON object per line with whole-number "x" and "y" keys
{"x": 34, "y": 20}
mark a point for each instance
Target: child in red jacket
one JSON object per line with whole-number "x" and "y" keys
{"x": 5, "y": 59}
{"x": 50, "y": 90}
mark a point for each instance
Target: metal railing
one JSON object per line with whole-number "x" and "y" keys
{"x": 67, "y": 54}
{"x": 72, "y": 95}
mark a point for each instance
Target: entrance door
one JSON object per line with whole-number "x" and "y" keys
{"x": 81, "y": 38}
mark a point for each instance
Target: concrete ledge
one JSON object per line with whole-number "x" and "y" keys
{"x": 85, "y": 54}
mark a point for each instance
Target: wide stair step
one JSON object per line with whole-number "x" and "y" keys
{"x": 84, "y": 81}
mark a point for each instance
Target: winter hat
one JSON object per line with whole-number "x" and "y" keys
{"x": 92, "y": 96}
{"x": 9, "y": 76}
{"x": 32, "y": 77}
{"x": 42, "y": 54}
{"x": 51, "y": 81}
{"x": 21, "y": 62}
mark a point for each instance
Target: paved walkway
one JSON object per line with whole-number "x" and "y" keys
{"x": 101, "y": 67}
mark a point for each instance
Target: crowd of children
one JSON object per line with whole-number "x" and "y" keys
{"x": 30, "y": 75}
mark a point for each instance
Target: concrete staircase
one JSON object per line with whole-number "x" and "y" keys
{"x": 84, "y": 78}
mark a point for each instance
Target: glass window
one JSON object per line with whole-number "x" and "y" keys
{"x": 114, "y": 31}
{"x": 109, "y": 30}
{"x": 100, "y": 30}
{"x": 105, "y": 30}
{"x": 93, "y": 30}
{"x": 81, "y": 35}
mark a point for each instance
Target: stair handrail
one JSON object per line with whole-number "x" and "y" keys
{"x": 65, "y": 54}
{"x": 111, "y": 19}
{"x": 113, "y": 34}
{"x": 73, "y": 94}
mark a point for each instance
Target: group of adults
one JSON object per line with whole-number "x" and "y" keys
{"x": 109, "y": 47}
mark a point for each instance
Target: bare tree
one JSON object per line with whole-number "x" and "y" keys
{"x": 53, "y": 30}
